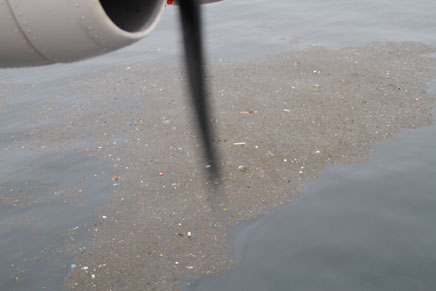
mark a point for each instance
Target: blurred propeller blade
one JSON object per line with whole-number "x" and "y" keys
{"x": 191, "y": 26}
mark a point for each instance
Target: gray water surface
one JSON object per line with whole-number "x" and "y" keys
{"x": 366, "y": 226}
{"x": 45, "y": 196}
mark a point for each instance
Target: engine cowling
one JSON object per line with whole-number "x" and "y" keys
{"x": 51, "y": 31}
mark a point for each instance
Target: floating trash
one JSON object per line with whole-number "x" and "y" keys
{"x": 316, "y": 87}
{"x": 395, "y": 87}
{"x": 242, "y": 168}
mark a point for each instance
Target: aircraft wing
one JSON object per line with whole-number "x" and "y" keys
{"x": 39, "y": 32}
{"x": 50, "y": 31}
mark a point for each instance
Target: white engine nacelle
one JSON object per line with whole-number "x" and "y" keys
{"x": 38, "y": 32}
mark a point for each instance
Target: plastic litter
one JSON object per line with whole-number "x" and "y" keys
{"x": 242, "y": 168}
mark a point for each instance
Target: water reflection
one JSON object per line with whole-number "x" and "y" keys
{"x": 367, "y": 226}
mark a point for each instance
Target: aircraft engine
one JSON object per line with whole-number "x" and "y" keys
{"x": 38, "y": 32}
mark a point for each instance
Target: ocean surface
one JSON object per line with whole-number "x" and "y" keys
{"x": 366, "y": 226}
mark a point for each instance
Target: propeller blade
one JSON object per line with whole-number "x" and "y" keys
{"x": 191, "y": 26}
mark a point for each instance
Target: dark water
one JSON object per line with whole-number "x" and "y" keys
{"x": 49, "y": 195}
{"x": 366, "y": 226}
